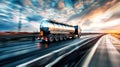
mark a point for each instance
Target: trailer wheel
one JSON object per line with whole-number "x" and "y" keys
{"x": 65, "y": 37}
{"x": 51, "y": 38}
{"x": 61, "y": 37}
{"x": 56, "y": 37}
{"x": 79, "y": 36}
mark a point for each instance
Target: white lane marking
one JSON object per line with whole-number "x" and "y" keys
{"x": 114, "y": 40}
{"x": 86, "y": 36}
{"x": 113, "y": 54}
{"x": 53, "y": 52}
{"x": 90, "y": 55}
{"x": 59, "y": 58}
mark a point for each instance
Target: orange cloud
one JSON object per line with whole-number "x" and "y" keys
{"x": 61, "y": 5}
{"x": 101, "y": 10}
{"x": 27, "y": 2}
{"x": 78, "y": 4}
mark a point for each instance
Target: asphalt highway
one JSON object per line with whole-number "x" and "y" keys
{"x": 105, "y": 53}
{"x": 30, "y": 53}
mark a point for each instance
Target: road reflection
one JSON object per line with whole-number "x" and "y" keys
{"x": 42, "y": 45}
{"x": 117, "y": 35}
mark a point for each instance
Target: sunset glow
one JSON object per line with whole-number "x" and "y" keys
{"x": 112, "y": 31}
{"x": 90, "y": 16}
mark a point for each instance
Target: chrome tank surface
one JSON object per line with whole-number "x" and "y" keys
{"x": 55, "y": 27}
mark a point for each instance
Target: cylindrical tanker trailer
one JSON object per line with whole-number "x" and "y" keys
{"x": 53, "y": 31}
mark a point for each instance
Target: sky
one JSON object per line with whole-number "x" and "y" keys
{"x": 90, "y": 15}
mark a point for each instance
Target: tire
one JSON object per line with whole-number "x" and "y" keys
{"x": 79, "y": 35}
{"x": 61, "y": 37}
{"x": 51, "y": 38}
{"x": 56, "y": 37}
{"x": 65, "y": 37}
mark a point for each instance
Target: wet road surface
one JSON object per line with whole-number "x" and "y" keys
{"x": 105, "y": 53}
{"x": 16, "y": 53}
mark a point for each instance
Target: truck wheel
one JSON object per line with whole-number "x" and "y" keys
{"x": 50, "y": 38}
{"x": 61, "y": 37}
{"x": 79, "y": 36}
{"x": 56, "y": 37}
{"x": 65, "y": 37}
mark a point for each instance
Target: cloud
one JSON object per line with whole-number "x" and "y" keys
{"x": 34, "y": 18}
{"x": 98, "y": 14}
{"x": 94, "y": 9}
{"x": 87, "y": 22}
{"x": 116, "y": 27}
{"x": 73, "y": 12}
{"x": 85, "y": 11}
{"x": 7, "y": 26}
{"x": 19, "y": 2}
{"x": 115, "y": 12}
{"x": 115, "y": 16}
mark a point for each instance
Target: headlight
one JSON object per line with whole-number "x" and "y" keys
{"x": 41, "y": 33}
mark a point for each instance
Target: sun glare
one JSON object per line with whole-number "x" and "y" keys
{"x": 112, "y": 31}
